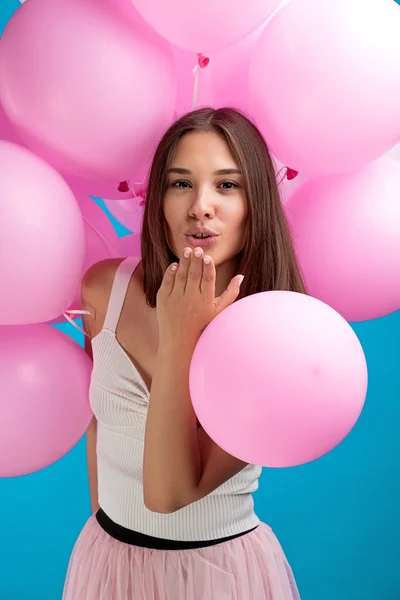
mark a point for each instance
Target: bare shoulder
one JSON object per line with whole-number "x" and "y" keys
{"x": 96, "y": 289}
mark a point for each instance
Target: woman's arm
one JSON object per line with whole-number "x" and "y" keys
{"x": 182, "y": 464}
{"x": 91, "y": 442}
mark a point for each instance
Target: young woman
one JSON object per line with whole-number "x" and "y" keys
{"x": 173, "y": 513}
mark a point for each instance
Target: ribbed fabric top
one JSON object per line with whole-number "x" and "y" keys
{"x": 119, "y": 399}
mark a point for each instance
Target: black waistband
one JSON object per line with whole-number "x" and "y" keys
{"x": 146, "y": 541}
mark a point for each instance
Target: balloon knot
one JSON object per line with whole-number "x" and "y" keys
{"x": 124, "y": 186}
{"x": 202, "y": 61}
{"x": 291, "y": 173}
{"x": 141, "y": 192}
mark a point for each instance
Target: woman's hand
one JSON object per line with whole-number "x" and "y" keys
{"x": 186, "y": 301}
{"x": 180, "y": 467}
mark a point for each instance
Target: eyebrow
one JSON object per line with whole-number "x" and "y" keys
{"x": 180, "y": 171}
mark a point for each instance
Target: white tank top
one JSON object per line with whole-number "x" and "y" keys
{"x": 119, "y": 400}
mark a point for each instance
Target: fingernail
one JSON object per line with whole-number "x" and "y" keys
{"x": 174, "y": 268}
{"x": 187, "y": 253}
{"x": 206, "y": 260}
{"x": 197, "y": 253}
{"x": 240, "y": 281}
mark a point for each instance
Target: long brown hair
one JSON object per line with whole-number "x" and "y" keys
{"x": 268, "y": 259}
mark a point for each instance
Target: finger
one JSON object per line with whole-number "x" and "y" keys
{"x": 167, "y": 284}
{"x": 195, "y": 272}
{"x": 182, "y": 272}
{"x": 208, "y": 280}
{"x": 230, "y": 294}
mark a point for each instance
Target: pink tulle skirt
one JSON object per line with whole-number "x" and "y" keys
{"x": 251, "y": 567}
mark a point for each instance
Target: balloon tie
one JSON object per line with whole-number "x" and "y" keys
{"x": 68, "y": 314}
{"x": 140, "y": 193}
{"x": 202, "y": 63}
{"x": 286, "y": 173}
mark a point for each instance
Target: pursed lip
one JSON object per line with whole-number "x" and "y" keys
{"x": 202, "y": 230}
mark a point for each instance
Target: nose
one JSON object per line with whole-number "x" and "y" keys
{"x": 202, "y": 206}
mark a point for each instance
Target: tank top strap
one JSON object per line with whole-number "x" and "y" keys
{"x": 119, "y": 289}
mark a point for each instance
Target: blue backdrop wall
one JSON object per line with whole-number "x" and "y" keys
{"x": 337, "y": 518}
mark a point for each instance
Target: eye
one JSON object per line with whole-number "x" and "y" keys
{"x": 181, "y": 184}
{"x": 226, "y": 186}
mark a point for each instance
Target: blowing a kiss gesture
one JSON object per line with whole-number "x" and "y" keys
{"x": 186, "y": 301}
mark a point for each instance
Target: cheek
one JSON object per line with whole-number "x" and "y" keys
{"x": 237, "y": 215}
{"x": 241, "y": 224}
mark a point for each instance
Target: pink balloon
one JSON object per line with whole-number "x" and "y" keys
{"x": 128, "y": 12}
{"x": 299, "y": 384}
{"x": 42, "y": 240}
{"x": 100, "y": 189}
{"x": 395, "y": 152}
{"x": 83, "y": 87}
{"x": 324, "y": 95}
{"x": 230, "y": 69}
{"x": 346, "y": 230}
{"x": 207, "y": 25}
{"x": 44, "y": 406}
{"x": 96, "y": 221}
{"x": 130, "y": 245}
{"x": 7, "y": 131}
{"x": 128, "y": 212}
{"x": 101, "y": 242}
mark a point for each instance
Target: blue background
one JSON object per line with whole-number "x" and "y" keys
{"x": 337, "y": 518}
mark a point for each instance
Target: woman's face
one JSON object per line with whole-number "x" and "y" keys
{"x": 205, "y": 204}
